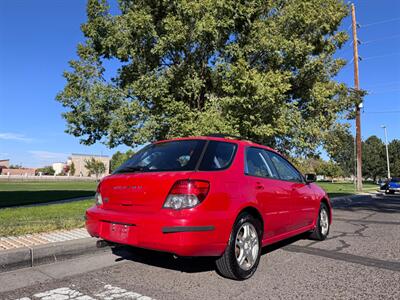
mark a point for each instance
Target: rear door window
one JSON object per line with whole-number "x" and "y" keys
{"x": 257, "y": 163}
{"x": 285, "y": 170}
{"x": 218, "y": 156}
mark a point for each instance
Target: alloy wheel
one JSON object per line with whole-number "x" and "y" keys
{"x": 324, "y": 221}
{"x": 246, "y": 246}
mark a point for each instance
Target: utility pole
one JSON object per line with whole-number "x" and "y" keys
{"x": 387, "y": 150}
{"x": 359, "y": 105}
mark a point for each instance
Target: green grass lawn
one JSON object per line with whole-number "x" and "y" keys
{"x": 43, "y": 218}
{"x": 21, "y": 193}
{"x": 343, "y": 189}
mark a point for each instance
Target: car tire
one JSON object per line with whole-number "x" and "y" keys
{"x": 322, "y": 227}
{"x": 242, "y": 255}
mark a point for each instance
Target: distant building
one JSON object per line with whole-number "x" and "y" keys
{"x": 5, "y": 169}
{"x": 22, "y": 171}
{"x": 4, "y": 163}
{"x": 79, "y": 161}
{"x": 58, "y": 167}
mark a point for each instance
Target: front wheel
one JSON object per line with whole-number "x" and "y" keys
{"x": 242, "y": 255}
{"x": 322, "y": 227}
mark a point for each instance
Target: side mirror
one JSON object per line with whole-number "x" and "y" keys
{"x": 310, "y": 178}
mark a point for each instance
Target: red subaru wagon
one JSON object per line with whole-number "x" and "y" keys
{"x": 209, "y": 196}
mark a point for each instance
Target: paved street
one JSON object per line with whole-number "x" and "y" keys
{"x": 360, "y": 260}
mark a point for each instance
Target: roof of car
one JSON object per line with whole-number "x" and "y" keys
{"x": 222, "y": 138}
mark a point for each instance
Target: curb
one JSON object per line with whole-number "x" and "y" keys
{"x": 14, "y": 259}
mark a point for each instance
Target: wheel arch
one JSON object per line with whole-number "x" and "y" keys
{"x": 255, "y": 213}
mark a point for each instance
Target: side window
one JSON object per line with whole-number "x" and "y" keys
{"x": 257, "y": 164}
{"x": 285, "y": 170}
{"x": 218, "y": 155}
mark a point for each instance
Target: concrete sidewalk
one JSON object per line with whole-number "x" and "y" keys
{"x": 30, "y": 240}
{"x": 35, "y": 249}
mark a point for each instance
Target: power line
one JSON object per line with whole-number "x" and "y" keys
{"x": 388, "y": 83}
{"x": 379, "y": 56}
{"x": 381, "y": 39}
{"x": 379, "y": 22}
{"x": 383, "y": 91}
{"x": 383, "y": 112}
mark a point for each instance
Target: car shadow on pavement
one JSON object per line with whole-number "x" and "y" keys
{"x": 184, "y": 264}
{"x": 165, "y": 260}
{"x": 284, "y": 243}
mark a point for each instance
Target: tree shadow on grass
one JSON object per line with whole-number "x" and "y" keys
{"x": 18, "y": 198}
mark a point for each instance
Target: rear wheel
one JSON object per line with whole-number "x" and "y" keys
{"x": 242, "y": 255}
{"x": 322, "y": 227}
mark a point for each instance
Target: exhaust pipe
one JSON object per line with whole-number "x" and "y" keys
{"x": 102, "y": 244}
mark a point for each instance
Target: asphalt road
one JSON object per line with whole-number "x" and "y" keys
{"x": 360, "y": 260}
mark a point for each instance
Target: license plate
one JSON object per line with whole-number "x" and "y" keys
{"x": 119, "y": 231}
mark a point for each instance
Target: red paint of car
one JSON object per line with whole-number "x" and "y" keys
{"x": 133, "y": 208}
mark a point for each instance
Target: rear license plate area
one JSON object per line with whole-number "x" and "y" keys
{"x": 124, "y": 233}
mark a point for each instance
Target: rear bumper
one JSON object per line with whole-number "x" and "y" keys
{"x": 198, "y": 234}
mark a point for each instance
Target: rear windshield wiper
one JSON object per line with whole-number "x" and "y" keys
{"x": 131, "y": 169}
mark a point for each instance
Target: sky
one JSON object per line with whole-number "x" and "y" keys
{"x": 38, "y": 38}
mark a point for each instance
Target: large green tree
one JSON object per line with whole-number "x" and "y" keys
{"x": 394, "y": 158}
{"x": 259, "y": 69}
{"x": 373, "y": 158}
{"x": 119, "y": 158}
{"x": 48, "y": 170}
{"x": 340, "y": 147}
{"x": 95, "y": 167}
{"x": 329, "y": 169}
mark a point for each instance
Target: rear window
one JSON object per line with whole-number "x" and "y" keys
{"x": 395, "y": 179}
{"x": 169, "y": 156}
{"x": 218, "y": 156}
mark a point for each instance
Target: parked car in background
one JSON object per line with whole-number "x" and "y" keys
{"x": 209, "y": 196}
{"x": 393, "y": 185}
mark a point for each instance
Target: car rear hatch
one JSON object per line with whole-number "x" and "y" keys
{"x": 142, "y": 183}
{"x": 138, "y": 192}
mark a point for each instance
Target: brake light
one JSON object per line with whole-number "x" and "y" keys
{"x": 187, "y": 194}
{"x": 97, "y": 197}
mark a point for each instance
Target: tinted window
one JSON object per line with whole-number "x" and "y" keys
{"x": 168, "y": 156}
{"x": 285, "y": 170}
{"x": 257, "y": 164}
{"x": 218, "y": 155}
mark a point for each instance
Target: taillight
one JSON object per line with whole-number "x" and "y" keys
{"x": 97, "y": 197}
{"x": 187, "y": 194}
